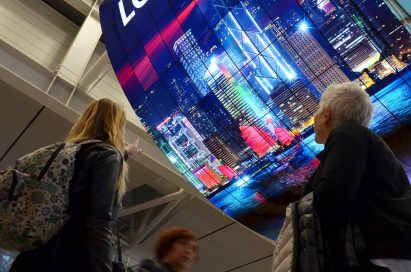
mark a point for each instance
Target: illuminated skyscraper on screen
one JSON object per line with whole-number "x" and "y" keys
{"x": 297, "y": 102}
{"x": 381, "y": 25}
{"x": 226, "y": 126}
{"x": 349, "y": 40}
{"x": 193, "y": 59}
{"x": 312, "y": 59}
{"x": 236, "y": 95}
{"x": 242, "y": 102}
{"x": 221, "y": 150}
{"x": 365, "y": 33}
{"x": 269, "y": 64}
{"x": 184, "y": 140}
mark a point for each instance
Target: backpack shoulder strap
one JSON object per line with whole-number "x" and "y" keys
{"x": 50, "y": 161}
{"x": 58, "y": 148}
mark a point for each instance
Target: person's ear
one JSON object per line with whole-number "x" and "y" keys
{"x": 326, "y": 116}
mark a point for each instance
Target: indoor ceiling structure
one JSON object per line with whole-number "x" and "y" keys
{"x": 50, "y": 68}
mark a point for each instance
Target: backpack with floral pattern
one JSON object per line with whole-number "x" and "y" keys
{"x": 34, "y": 196}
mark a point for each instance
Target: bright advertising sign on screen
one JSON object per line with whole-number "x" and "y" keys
{"x": 228, "y": 88}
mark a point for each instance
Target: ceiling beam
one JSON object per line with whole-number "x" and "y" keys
{"x": 153, "y": 203}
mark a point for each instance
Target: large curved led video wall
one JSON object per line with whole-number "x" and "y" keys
{"x": 228, "y": 88}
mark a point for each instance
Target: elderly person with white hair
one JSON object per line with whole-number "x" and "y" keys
{"x": 359, "y": 182}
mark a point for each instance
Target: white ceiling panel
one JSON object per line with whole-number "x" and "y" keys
{"x": 200, "y": 217}
{"x": 262, "y": 265}
{"x": 46, "y": 129}
{"x": 195, "y": 215}
{"x": 16, "y": 112}
{"x": 230, "y": 248}
{"x": 139, "y": 175}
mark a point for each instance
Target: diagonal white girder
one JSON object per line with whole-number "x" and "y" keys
{"x": 155, "y": 222}
{"x": 153, "y": 203}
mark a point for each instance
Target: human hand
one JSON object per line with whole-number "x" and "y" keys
{"x": 134, "y": 148}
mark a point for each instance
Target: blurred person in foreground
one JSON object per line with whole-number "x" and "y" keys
{"x": 176, "y": 250}
{"x": 359, "y": 181}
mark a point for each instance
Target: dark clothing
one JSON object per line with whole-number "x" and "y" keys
{"x": 360, "y": 179}
{"x": 84, "y": 242}
{"x": 148, "y": 265}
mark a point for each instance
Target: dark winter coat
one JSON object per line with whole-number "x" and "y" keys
{"x": 360, "y": 180}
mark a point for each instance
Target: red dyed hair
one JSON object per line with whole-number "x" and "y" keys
{"x": 167, "y": 238}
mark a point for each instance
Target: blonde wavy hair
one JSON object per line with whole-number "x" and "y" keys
{"x": 103, "y": 120}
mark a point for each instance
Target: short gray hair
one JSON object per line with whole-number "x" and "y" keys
{"x": 348, "y": 103}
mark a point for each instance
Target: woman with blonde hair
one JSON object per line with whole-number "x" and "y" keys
{"x": 97, "y": 186}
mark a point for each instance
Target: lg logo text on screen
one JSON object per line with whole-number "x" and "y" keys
{"x": 126, "y": 18}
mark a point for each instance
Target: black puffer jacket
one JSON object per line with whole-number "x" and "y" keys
{"x": 84, "y": 243}
{"x": 308, "y": 245}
